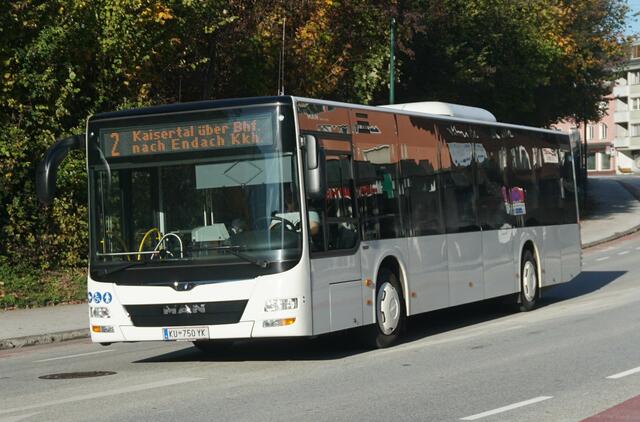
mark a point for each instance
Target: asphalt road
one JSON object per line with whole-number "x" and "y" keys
{"x": 573, "y": 357}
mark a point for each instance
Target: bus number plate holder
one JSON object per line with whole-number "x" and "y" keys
{"x": 185, "y": 333}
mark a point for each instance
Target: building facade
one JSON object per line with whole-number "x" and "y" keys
{"x": 613, "y": 142}
{"x": 601, "y": 155}
{"x": 626, "y": 116}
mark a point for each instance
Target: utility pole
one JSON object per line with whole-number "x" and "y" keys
{"x": 586, "y": 154}
{"x": 392, "y": 61}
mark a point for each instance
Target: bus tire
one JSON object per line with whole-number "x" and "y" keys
{"x": 391, "y": 314}
{"x": 528, "y": 282}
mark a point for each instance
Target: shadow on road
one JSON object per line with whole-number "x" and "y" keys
{"x": 605, "y": 198}
{"x": 346, "y": 343}
{"x": 586, "y": 282}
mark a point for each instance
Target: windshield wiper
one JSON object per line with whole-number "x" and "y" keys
{"x": 235, "y": 250}
{"x": 124, "y": 266}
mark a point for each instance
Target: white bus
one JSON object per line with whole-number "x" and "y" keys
{"x": 286, "y": 216}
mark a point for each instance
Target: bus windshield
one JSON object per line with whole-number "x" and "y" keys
{"x": 228, "y": 204}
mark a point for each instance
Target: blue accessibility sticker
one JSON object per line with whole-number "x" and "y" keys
{"x": 89, "y": 297}
{"x": 97, "y": 297}
{"x": 106, "y": 298}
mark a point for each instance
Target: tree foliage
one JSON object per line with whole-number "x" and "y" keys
{"x": 530, "y": 62}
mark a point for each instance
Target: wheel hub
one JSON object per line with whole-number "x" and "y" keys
{"x": 529, "y": 281}
{"x": 388, "y": 308}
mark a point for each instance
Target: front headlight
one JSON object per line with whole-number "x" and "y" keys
{"x": 272, "y": 305}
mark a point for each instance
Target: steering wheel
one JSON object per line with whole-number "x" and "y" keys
{"x": 287, "y": 224}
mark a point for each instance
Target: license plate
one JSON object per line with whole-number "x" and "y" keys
{"x": 185, "y": 333}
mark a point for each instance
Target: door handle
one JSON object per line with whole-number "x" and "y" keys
{"x": 365, "y": 246}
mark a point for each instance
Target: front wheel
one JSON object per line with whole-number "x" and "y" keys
{"x": 390, "y": 312}
{"x": 528, "y": 282}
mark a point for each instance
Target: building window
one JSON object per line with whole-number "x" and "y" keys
{"x": 635, "y": 103}
{"x": 603, "y": 131}
{"x": 634, "y": 78}
{"x": 635, "y": 51}
{"x": 591, "y": 161}
{"x": 635, "y": 130}
{"x": 589, "y": 132}
{"x": 605, "y": 161}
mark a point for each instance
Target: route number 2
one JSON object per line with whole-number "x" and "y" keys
{"x": 114, "y": 147}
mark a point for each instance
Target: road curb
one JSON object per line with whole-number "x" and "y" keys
{"x": 17, "y": 342}
{"x": 612, "y": 237}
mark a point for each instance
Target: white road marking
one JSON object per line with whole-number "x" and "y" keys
{"x": 107, "y": 393}
{"x": 73, "y": 356}
{"x": 602, "y": 258}
{"x": 624, "y": 374}
{"x": 623, "y": 253}
{"x": 506, "y": 408}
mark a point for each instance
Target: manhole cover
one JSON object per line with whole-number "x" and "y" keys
{"x": 72, "y": 375}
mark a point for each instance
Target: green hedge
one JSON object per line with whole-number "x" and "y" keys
{"x": 27, "y": 288}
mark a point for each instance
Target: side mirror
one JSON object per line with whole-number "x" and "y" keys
{"x": 316, "y": 180}
{"x": 48, "y": 167}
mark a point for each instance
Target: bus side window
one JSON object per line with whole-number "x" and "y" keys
{"x": 376, "y": 164}
{"x": 459, "y": 190}
{"x": 420, "y": 193}
{"x": 341, "y": 226}
{"x": 491, "y": 163}
{"x": 566, "y": 180}
{"x": 334, "y": 215}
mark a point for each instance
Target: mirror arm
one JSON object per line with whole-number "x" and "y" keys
{"x": 48, "y": 167}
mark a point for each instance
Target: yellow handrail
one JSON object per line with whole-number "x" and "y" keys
{"x": 144, "y": 238}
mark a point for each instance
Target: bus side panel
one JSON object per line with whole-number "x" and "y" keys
{"x": 428, "y": 273}
{"x": 551, "y": 256}
{"x": 330, "y": 313}
{"x": 497, "y": 254}
{"x": 465, "y": 267}
{"x": 570, "y": 244}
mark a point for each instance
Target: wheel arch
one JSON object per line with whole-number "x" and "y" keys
{"x": 395, "y": 264}
{"x": 529, "y": 245}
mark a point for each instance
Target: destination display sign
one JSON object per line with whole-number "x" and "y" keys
{"x": 192, "y": 136}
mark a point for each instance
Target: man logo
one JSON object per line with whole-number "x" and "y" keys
{"x": 192, "y": 308}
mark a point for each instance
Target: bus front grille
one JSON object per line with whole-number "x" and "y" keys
{"x": 186, "y": 314}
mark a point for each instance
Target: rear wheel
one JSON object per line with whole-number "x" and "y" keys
{"x": 528, "y": 282}
{"x": 390, "y": 312}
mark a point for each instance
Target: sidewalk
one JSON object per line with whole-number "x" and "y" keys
{"x": 26, "y": 327}
{"x": 613, "y": 211}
